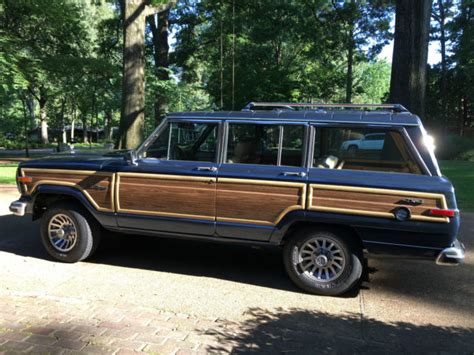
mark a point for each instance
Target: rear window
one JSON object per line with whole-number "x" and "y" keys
{"x": 363, "y": 149}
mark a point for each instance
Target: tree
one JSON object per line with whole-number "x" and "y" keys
{"x": 159, "y": 24}
{"x": 133, "y": 80}
{"x": 364, "y": 32}
{"x": 463, "y": 57}
{"x": 410, "y": 54}
{"x": 62, "y": 35}
{"x": 245, "y": 50}
{"x": 441, "y": 13}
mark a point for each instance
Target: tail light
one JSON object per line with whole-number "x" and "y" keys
{"x": 442, "y": 213}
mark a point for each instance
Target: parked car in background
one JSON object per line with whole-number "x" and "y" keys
{"x": 370, "y": 141}
{"x": 277, "y": 177}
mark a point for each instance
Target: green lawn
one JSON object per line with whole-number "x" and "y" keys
{"x": 7, "y": 174}
{"x": 461, "y": 174}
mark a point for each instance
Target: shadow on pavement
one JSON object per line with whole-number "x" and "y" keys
{"x": 244, "y": 264}
{"x": 303, "y": 331}
{"x": 442, "y": 286}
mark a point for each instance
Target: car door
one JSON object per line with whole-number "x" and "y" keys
{"x": 172, "y": 187}
{"x": 262, "y": 178}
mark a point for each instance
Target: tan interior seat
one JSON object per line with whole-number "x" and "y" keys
{"x": 246, "y": 152}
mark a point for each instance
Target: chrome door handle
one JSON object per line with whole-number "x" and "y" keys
{"x": 294, "y": 173}
{"x": 98, "y": 188}
{"x": 212, "y": 169}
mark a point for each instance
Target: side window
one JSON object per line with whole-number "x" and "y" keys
{"x": 265, "y": 144}
{"x": 363, "y": 149}
{"x": 185, "y": 141}
{"x": 292, "y": 147}
{"x": 252, "y": 144}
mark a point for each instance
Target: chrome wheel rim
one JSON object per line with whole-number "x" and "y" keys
{"x": 321, "y": 259}
{"x": 62, "y": 233}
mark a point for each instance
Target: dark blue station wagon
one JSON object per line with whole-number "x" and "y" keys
{"x": 330, "y": 184}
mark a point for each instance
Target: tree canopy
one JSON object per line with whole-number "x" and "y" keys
{"x": 61, "y": 62}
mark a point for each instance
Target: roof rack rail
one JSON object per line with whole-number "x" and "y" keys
{"x": 290, "y": 106}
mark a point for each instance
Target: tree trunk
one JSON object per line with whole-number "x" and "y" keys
{"x": 133, "y": 84}
{"x": 43, "y": 124}
{"x": 73, "y": 123}
{"x": 24, "y": 102}
{"x": 350, "y": 62}
{"x": 410, "y": 54}
{"x": 463, "y": 115}
{"x": 108, "y": 126}
{"x": 30, "y": 103}
{"x": 442, "y": 40}
{"x": 85, "y": 136}
{"x": 63, "y": 121}
{"x": 132, "y": 119}
{"x": 159, "y": 25}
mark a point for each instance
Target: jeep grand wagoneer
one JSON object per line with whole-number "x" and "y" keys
{"x": 330, "y": 184}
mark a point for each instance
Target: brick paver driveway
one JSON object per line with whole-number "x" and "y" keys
{"x": 168, "y": 296}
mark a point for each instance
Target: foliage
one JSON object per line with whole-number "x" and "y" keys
{"x": 223, "y": 54}
{"x": 275, "y": 51}
{"x": 7, "y": 174}
{"x": 64, "y": 67}
{"x": 455, "y": 110}
{"x": 455, "y": 147}
{"x": 461, "y": 174}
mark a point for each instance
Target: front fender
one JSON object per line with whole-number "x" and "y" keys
{"x": 107, "y": 219}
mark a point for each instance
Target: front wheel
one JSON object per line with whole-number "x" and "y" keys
{"x": 323, "y": 262}
{"x": 69, "y": 233}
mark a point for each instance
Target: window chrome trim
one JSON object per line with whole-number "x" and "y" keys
{"x": 414, "y": 152}
{"x": 151, "y": 138}
{"x": 281, "y": 131}
{"x": 163, "y": 125}
{"x": 310, "y": 137}
{"x": 403, "y": 132}
{"x": 280, "y": 126}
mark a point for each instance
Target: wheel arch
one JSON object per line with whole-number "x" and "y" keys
{"x": 342, "y": 229}
{"x": 47, "y": 195}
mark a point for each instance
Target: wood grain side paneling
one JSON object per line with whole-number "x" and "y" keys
{"x": 257, "y": 201}
{"x": 166, "y": 195}
{"x": 373, "y": 202}
{"x": 97, "y": 187}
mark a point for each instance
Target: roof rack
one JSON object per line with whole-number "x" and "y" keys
{"x": 290, "y": 106}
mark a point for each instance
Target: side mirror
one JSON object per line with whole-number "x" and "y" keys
{"x": 131, "y": 157}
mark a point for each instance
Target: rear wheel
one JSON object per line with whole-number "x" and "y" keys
{"x": 323, "y": 262}
{"x": 69, "y": 233}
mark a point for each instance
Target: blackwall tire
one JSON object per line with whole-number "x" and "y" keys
{"x": 68, "y": 232}
{"x": 332, "y": 269}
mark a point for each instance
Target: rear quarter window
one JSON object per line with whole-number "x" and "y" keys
{"x": 374, "y": 149}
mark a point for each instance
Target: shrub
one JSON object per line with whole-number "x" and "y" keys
{"x": 455, "y": 147}
{"x": 467, "y": 155}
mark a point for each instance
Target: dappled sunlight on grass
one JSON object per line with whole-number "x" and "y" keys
{"x": 461, "y": 174}
{"x": 7, "y": 174}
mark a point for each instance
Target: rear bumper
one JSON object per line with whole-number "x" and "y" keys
{"x": 18, "y": 208}
{"x": 453, "y": 255}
